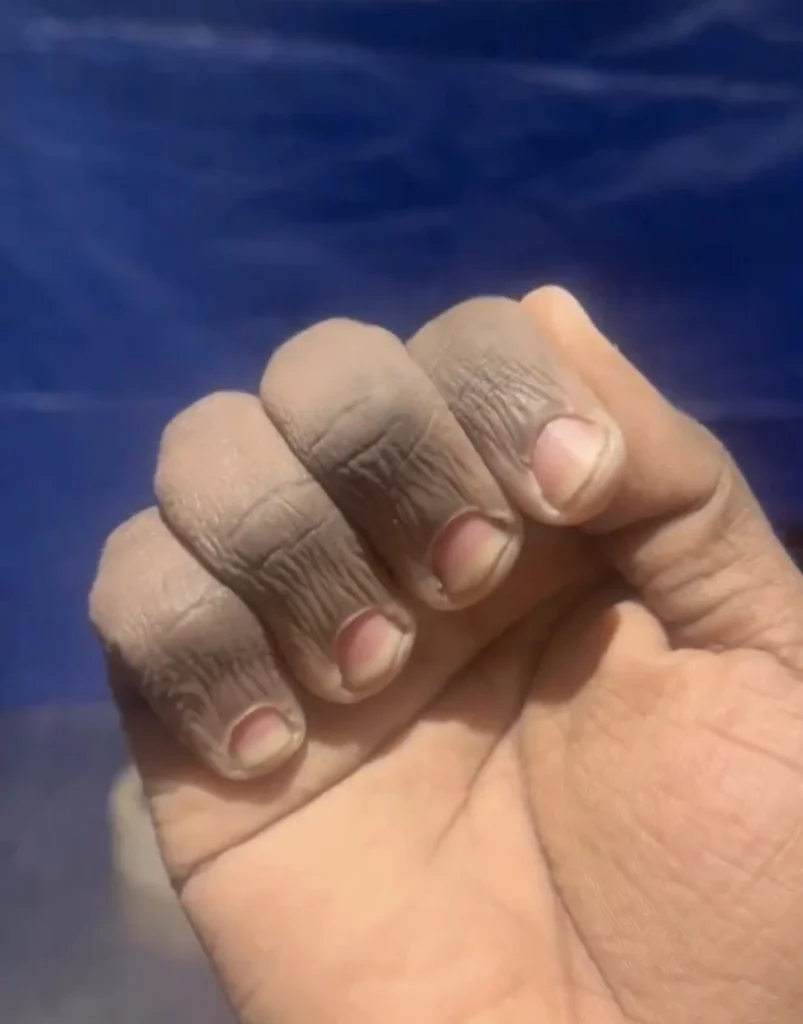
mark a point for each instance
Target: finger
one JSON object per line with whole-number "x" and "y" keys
{"x": 537, "y": 426}
{"x": 187, "y": 645}
{"x": 681, "y": 524}
{"x": 375, "y": 433}
{"x": 231, "y": 489}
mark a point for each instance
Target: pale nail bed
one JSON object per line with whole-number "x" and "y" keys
{"x": 262, "y": 738}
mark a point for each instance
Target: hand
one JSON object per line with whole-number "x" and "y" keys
{"x": 465, "y": 682}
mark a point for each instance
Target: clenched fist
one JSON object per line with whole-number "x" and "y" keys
{"x": 465, "y": 682}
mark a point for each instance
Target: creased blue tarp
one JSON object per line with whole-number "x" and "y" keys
{"x": 183, "y": 183}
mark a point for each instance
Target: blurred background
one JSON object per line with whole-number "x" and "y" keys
{"x": 184, "y": 183}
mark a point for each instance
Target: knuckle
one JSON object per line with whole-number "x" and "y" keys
{"x": 460, "y": 327}
{"x": 202, "y": 663}
{"x": 203, "y": 416}
{"x": 151, "y": 601}
{"x": 481, "y": 308}
{"x": 370, "y": 445}
{"x": 276, "y": 522}
{"x": 316, "y": 551}
{"x": 159, "y": 647}
{"x": 132, "y": 532}
{"x": 173, "y": 640}
{"x": 122, "y": 544}
{"x": 482, "y": 358}
{"x": 201, "y": 453}
{"x": 173, "y": 633}
{"x": 295, "y": 554}
{"x": 324, "y": 329}
{"x": 319, "y": 351}
{"x": 363, "y": 418}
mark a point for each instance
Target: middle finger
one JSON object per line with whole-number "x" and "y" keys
{"x": 377, "y": 435}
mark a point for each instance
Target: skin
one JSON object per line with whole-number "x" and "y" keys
{"x": 464, "y": 680}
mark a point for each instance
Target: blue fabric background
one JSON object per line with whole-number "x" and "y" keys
{"x": 183, "y": 183}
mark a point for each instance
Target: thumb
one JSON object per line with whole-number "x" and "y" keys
{"x": 681, "y": 525}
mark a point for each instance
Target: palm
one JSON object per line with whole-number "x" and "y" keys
{"x": 526, "y": 842}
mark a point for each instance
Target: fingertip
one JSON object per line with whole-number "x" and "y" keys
{"x": 576, "y": 465}
{"x": 471, "y": 557}
{"x": 262, "y": 741}
{"x": 371, "y": 651}
{"x": 471, "y": 554}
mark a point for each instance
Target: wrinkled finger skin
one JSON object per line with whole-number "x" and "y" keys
{"x": 302, "y": 537}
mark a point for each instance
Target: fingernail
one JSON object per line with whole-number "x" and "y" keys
{"x": 471, "y": 553}
{"x": 371, "y": 650}
{"x": 566, "y": 456}
{"x": 261, "y": 739}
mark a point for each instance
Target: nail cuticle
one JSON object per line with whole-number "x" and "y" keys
{"x": 370, "y": 650}
{"x": 471, "y": 553}
{"x": 261, "y": 738}
{"x": 571, "y": 455}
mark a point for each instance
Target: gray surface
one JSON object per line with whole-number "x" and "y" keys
{"x": 64, "y": 957}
